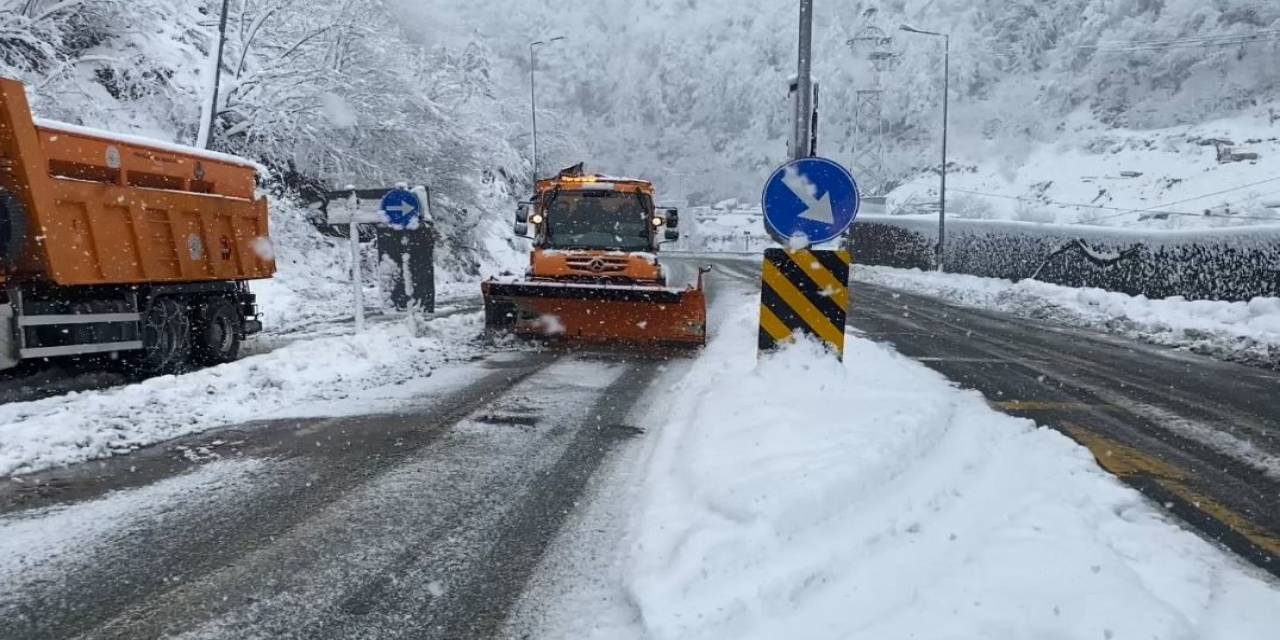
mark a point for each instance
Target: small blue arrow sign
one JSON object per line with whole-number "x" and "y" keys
{"x": 401, "y": 209}
{"x": 811, "y": 200}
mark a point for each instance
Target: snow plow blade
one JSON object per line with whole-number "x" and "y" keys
{"x": 627, "y": 316}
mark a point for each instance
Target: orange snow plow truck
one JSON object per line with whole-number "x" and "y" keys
{"x": 594, "y": 276}
{"x": 121, "y": 246}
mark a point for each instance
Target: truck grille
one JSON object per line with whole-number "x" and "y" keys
{"x": 599, "y": 265}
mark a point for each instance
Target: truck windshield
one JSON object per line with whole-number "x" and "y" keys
{"x": 598, "y": 220}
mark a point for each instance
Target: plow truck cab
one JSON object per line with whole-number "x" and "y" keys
{"x": 594, "y": 276}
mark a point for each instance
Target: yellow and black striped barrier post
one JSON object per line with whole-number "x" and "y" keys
{"x": 805, "y": 291}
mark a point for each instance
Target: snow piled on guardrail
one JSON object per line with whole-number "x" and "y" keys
{"x": 1246, "y": 332}
{"x": 800, "y": 497}
{"x": 1203, "y": 264}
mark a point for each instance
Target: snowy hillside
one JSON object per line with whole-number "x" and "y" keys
{"x": 1171, "y": 178}
{"x": 333, "y": 92}
{"x": 692, "y": 93}
{"x": 1055, "y": 106}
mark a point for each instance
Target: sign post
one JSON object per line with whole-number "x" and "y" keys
{"x": 357, "y": 286}
{"x": 802, "y": 132}
{"x": 406, "y": 212}
{"x": 411, "y": 250}
{"x": 807, "y": 201}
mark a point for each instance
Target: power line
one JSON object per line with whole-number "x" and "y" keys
{"x": 1218, "y": 193}
{"x": 1189, "y": 38}
{"x": 1238, "y": 201}
{"x": 1266, "y": 35}
{"x": 1159, "y": 208}
{"x": 1189, "y": 46}
{"x": 1220, "y": 216}
{"x": 1125, "y": 211}
{"x": 1061, "y": 204}
{"x": 1152, "y": 45}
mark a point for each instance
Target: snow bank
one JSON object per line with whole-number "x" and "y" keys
{"x": 312, "y": 280}
{"x": 312, "y": 284}
{"x": 329, "y": 375}
{"x": 1242, "y": 331}
{"x": 724, "y": 229}
{"x": 804, "y": 498}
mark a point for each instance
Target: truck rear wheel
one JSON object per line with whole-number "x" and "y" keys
{"x": 217, "y": 333}
{"x": 166, "y": 338}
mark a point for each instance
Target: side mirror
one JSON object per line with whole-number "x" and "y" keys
{"x": 522, "y": 212}
{"x": 522, "y": 229}
{"x": 670, "y": 216}
{"x": 671, "y": 234}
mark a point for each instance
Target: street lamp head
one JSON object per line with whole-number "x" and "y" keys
{"x": 556, "y": 38}
{"x": 910, "y": 29}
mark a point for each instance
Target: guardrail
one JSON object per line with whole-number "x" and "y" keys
{"x": 1234, "y": 263}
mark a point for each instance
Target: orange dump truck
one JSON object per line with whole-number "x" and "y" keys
{"x": 123, "y": 246}
{"x": 594, "y": 275}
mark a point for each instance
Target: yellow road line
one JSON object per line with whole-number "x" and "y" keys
{"x": 1124, "y": 461}
{"x": 808, "y": 313}
{"x": 772, "y": 325}
{"x": 808, "y": 263}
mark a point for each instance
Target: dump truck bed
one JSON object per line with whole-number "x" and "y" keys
{"x": 92, "y": 208}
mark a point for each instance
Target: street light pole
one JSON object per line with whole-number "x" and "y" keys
{"x": 209, "y": 110}
{"x": 946, "y": 101}
{"x": 804, "y": 84}
{"x": 533, "y": 100}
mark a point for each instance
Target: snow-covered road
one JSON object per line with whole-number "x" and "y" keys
{"x": 410, "y": 484}
{"x": 797, "y": 497}
{"x": 1247, "y": 332}
{"x": 424, "y": 522}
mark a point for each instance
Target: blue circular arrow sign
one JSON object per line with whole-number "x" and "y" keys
{"x": 401, "y": 209}
{"x": 810, "y": 197}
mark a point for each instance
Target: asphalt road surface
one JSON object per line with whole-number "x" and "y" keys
{"x": 421, "y": 524}
{"x": 431, "y": 522}
{"x": 424, "y": 523}
{"x": 1199, "y": 436}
